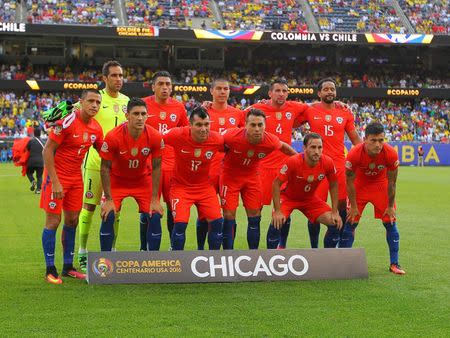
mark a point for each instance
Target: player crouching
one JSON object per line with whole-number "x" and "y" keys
{"x": 125, "y": 154}
{"x": 302, "y": 173}
{"x": 371, "y": 171}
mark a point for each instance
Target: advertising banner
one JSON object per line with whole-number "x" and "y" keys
{"x": 225, "y": 266}
{"x": 435, "y": 154}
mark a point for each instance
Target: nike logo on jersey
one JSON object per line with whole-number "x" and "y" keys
{"x": 75, "y": 135}
{"x": 184, "y": 151}
{"x": 237, "y": 152}
{"x": 317, "y": 118}
{"x": 104, "y": 107}
{"x": 150, "y": 115}
{"x": 299, "y": 177}
{"x": 123, "y": 152}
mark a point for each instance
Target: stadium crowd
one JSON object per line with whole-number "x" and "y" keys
{"x": 264, "y": 74}
{"x": 165, "y": 14}
{"x": 7, "y": 10}
{"x": 423, "y": 121}
{"x": 72, "y": 12}
{"x": 263, "y": 15}
{"x": 430, "y": 17}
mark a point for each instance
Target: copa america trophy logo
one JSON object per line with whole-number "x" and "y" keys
{"x": 102, "y": 267}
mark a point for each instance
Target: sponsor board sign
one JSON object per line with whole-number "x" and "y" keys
{"x": 225, "y": 266}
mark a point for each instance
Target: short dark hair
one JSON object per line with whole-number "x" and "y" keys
{"x": 107, "y": 65}
{"x": 199, "y": 111}
{"x": 321, "y": 82}
{"x": 374, "y": 128}
{"x": 278, "y": 81}
{"x": 135, "y": 102}
{"x": 161, "y": 73}
{"x": 37, "y": 132}
{"x": 86, "y": 91}
{"x": 255, "y": 112}
{"x": 220, "y": 79}
{"x": 311, "y": 136}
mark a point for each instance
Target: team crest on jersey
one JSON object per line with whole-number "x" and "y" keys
{"x": 89, "y": 194}
{"x": 93, "y": 138}
{"x": 209, "y": 154}
{"x": 250, "y": 153}
{"x": 124, "y": 108}
{"x": 232, "y": 120}
{"x": 221, "y": 121}
{"x": 162, "y": 115}
{"x": 134, "y": 151}
{"x": 116, "y": 108}
{"x": 197, "y": 152}
{"x": 85, "y": 136}
{"x": 288, "y": 115}
{"x": 380, "y": 167}
{"x": 396, "y": 163}
{"x": 52, "y": 205}
{"x": 145, "y": 151}
{"x": 348, "y": 165}
{"x": 261, "y": 155}
{"x": 104, "y": 147}
{"x": 310, "y": 178}
{"x": 284, "y": 169}
{"x": 372, "y": 166}
{"x": 328, "y": 118}
{"x": 173, "y": 117}
{"x": 57, "y": 130}
{"x": 339, "y": 120}
{"x": 279, "y": 115}
{"x": 321, "y": 177}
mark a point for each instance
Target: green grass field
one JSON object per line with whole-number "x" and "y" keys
{"x": 383, "y": 305}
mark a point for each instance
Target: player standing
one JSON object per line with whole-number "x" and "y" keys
{"x": 301, "y": 175}
{"x": 331, "y": 120}
{"x": 164, "y": 113}
{"x": 371, "y": 171}
{"x": 124, "y": 170}
{"x": 222, "y": 117}
{"x": 62, "y": 188}
{"x": 245, "y": 149}
{"x": 194, "y": 148}
{"x": 110, "y": 115}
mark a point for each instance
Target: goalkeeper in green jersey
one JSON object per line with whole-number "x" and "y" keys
{"x": 110, "y": 115}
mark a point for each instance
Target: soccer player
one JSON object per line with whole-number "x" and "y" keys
{"x": 222, "y": 117}
{"x": 371, "y": 171}
{"x": 194, "y": 148}
{"x": 124, "y": 170}
{"x": 245, "y": 148}
{"x": 331, "y": 120}
{"x": 35, "y": 162}
{"x": 301, "y": 175}
{"x": 164, "y": 113}
{"x": 110, "y": 115}
{"x": 62, "y": 188}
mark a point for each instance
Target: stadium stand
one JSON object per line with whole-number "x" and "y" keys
{"x": 166, "y": 13}
{"x": 357, "y": 16}
{"x": 430, "y": 17}
{"x": 72, "y": 12}
{"x": 263, "y": 15}
{"x": 296, "y": 76}
{"x": 7, "y": 10}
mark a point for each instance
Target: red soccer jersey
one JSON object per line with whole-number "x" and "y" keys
{"x": 302, "y": 180}
{"x": 331, "y": 124}
{"x": 243, "y": 158}
{"x": 74, "y": 138}
{"x": 164, "y": 117}
{"x": 222, "y": 120}
{"x": 192, "y": 159}
{"x": 129, "y": 156}
{"x": 371, "y": 170}
{"x": 280, "y": 123}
